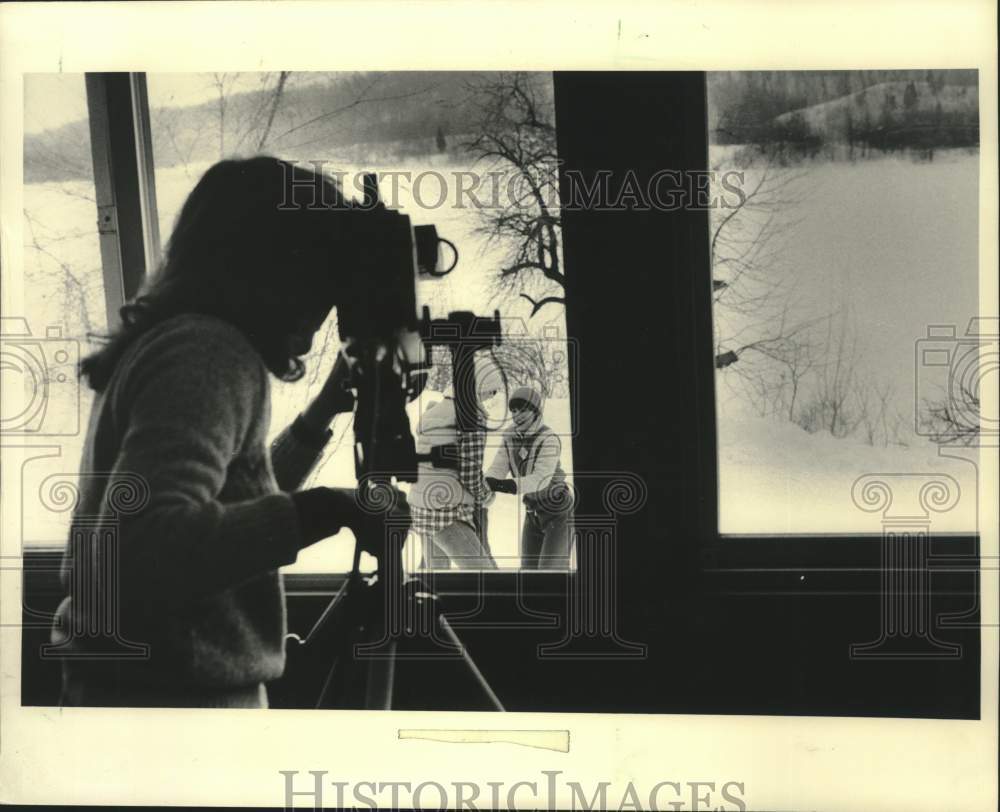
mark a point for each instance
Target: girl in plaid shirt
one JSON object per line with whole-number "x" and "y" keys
{"x": 445, "y": 501}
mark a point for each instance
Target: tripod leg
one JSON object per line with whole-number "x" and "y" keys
{"x": 337, "y": 630}
{"x": 328, "y": 684}
{"x": 330, "y": 613}
{"x": 336, "y": 689}
{"x": 453, "y": 638}
{"x": 381, "y": 678}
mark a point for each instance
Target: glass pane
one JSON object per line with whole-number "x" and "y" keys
{"x": 430, "y": 138}
{"x": 64, "y": 308}
{"x": 844, "y": 248}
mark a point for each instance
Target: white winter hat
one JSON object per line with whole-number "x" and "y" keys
{"x": 528, "y": 395}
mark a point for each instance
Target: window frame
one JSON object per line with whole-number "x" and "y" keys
{"x": 125, "y": 185}
{"x": 710, "y": 561}
{"x": 128, "y": 226}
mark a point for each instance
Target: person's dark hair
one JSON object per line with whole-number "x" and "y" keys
{"x": 252, "y": 245}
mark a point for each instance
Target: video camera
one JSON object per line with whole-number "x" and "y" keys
{"x": 390, "y": 346}
{"x": 390, "y": 342}
{"x": 390, "y": 255}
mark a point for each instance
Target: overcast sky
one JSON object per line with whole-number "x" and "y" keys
{"x": 54, "y": 99}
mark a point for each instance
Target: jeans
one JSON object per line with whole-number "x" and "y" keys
{"x": 545, "y": 540}
{"x": 458, "y": 543}
{"x": 482, "y": 517}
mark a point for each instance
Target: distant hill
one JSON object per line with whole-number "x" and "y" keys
{"x": 382, "y": 117}
{"x": 879, "y": 109}
{"x": 917, "y": 114}
{"x": 352, "y": 115}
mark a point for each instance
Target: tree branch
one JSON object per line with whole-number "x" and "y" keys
{"x": 538, "y": 305}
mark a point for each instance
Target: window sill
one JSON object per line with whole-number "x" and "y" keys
{"x": 454, "y": 582}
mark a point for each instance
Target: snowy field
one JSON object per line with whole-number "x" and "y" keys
{"x": 893, "y": 240}
{"x": 892, "y": 245}
{"x": 776, "y": 478}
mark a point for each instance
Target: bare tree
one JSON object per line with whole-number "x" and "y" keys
{"x": 223, "y": 84}
{"x": 79, "y": 288}
{"x": 253, "y": 119}
{"x": 766, "y": 350}
{"x": 953, "y": 420}
{"x": 363, "y": 92}
{"x": 773, "y": 351}
{"x": 272, "y": 106}
{"x": 538, "y": 361}
{"x": 184, "y": 143}
{"x": 834, "y": 405}
{"x": 243, "y": 120}
{"x": 751, "y": 287}
{"x": 515, "y": 138}
{"x": 879, "y": 423}
{"x": 798, "y": 362}
{"x": 774, "y": 369}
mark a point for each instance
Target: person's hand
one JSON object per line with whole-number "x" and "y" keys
{"x": 501, "y": 485}
{"x": 324, "y": 512}
{"x": 334, "y": 398}
{"x": 382, "y": 515}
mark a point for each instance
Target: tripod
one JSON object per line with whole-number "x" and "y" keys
{"x": 376, "y": 620}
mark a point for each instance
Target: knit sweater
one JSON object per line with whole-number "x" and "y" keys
{"x": 185, "y": 415}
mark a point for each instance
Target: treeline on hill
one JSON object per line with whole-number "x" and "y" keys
{"x": 361, "y": 117}
{"x": 808, "y": 113}
{"x": 344, "y": 116}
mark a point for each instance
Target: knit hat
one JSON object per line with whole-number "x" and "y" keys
{"x": 528, "y": 395}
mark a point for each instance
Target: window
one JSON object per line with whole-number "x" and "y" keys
{"x": 848, "y": 257}
{"x": 668, "y": 439}
{"x": 63, "y": 304}
{"x": 425, "y": 133}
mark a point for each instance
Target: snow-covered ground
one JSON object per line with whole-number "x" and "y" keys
{"x": 890, "y": 245}
{"x": 893, "y": 239}
{"x": 774, "y": 477}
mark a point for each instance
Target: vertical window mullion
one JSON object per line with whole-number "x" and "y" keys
{"x": 123, "y": 179}
{"x": 146, "y": 170}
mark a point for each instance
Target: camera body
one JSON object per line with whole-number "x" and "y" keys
{"x": 386, "y": 256}
{"x": 390, "y": 343}
{"x": 49, "y": 402}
